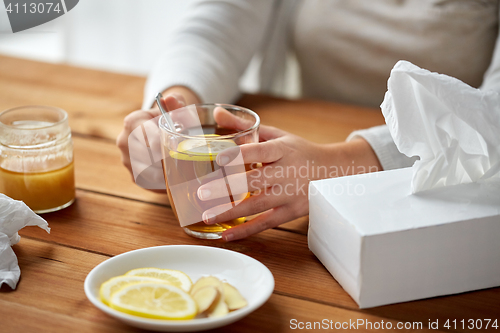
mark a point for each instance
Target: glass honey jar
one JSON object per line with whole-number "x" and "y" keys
{"x": 36, "y": 157}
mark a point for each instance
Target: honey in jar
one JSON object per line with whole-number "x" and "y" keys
{"x": 36, "y": 157}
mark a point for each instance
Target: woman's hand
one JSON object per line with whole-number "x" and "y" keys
{"x": 133, "y": 141}
{"x": 280, "y": 186}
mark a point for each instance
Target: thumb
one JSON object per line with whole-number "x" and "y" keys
{"x": 226, "y": 119}
{"x": 174, "y": 101}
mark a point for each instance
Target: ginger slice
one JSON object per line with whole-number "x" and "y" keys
{"x": 233, "y": 298}
{"x": 208, "y": 281}
{"x": 205, "y": 297}
{"x": 219, "y": 309}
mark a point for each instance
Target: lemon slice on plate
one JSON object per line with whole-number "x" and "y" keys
{"x": 201, "y": 149}
{"x": 174, "y": 277}
{"x": 154, "y": 300}
{"x": 114, "y": 284}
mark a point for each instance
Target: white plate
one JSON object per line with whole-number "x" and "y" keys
{"x": 254, "y": 281}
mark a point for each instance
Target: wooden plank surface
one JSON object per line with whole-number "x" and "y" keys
{"x": 112, "y": 216}
{"x": 318, "y": 121}
{"x": 96, "y": 101}
{"x": 51, "y": 294}
{"x": 297, "y": 272}
{"x": 98, "y": 168}
{"x": 95, "y": 218}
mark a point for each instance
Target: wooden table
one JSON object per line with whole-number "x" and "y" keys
{"x": 112, "y": 215}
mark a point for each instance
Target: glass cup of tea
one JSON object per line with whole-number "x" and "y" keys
{"x": 36, "y": 157}
{"x": 189, "y": 160}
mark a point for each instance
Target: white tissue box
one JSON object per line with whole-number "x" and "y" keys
{"x": 385, "y": 245}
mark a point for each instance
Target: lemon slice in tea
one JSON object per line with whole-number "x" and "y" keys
{"x": 154, "y": 300}
{"x": 202, "y": 149}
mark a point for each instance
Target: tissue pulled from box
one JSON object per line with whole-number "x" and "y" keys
{"x": 453, "y": 127}
{"x": 14, "y": 215}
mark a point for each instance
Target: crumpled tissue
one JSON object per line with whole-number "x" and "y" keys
{"x": 14, "y": 215}
{"x": 453, "y": 127}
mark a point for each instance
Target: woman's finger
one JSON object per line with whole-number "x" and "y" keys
{"x": 131, "y": 122}
{"x": 182, "y": 115}
{"x": 226, "y": 119}
{"x": 270, "y": 219}
{"x": 145, "y": 155}
{"x": 174, "y": 101}
{"x": 263, "y": 152}
{"x": 134, "y": 119}
{"x": 246, "y": 207}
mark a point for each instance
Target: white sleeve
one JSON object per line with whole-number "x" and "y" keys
{"x": 382, "y": 143}
{"x": 210, "y": 49}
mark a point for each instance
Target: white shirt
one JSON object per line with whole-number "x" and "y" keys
{"x": 345, "y": 48}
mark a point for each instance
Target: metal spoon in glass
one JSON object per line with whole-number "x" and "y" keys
{"x": 169, "y": 121}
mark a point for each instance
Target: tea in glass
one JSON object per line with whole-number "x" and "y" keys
{"x": 189, "y": 161}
